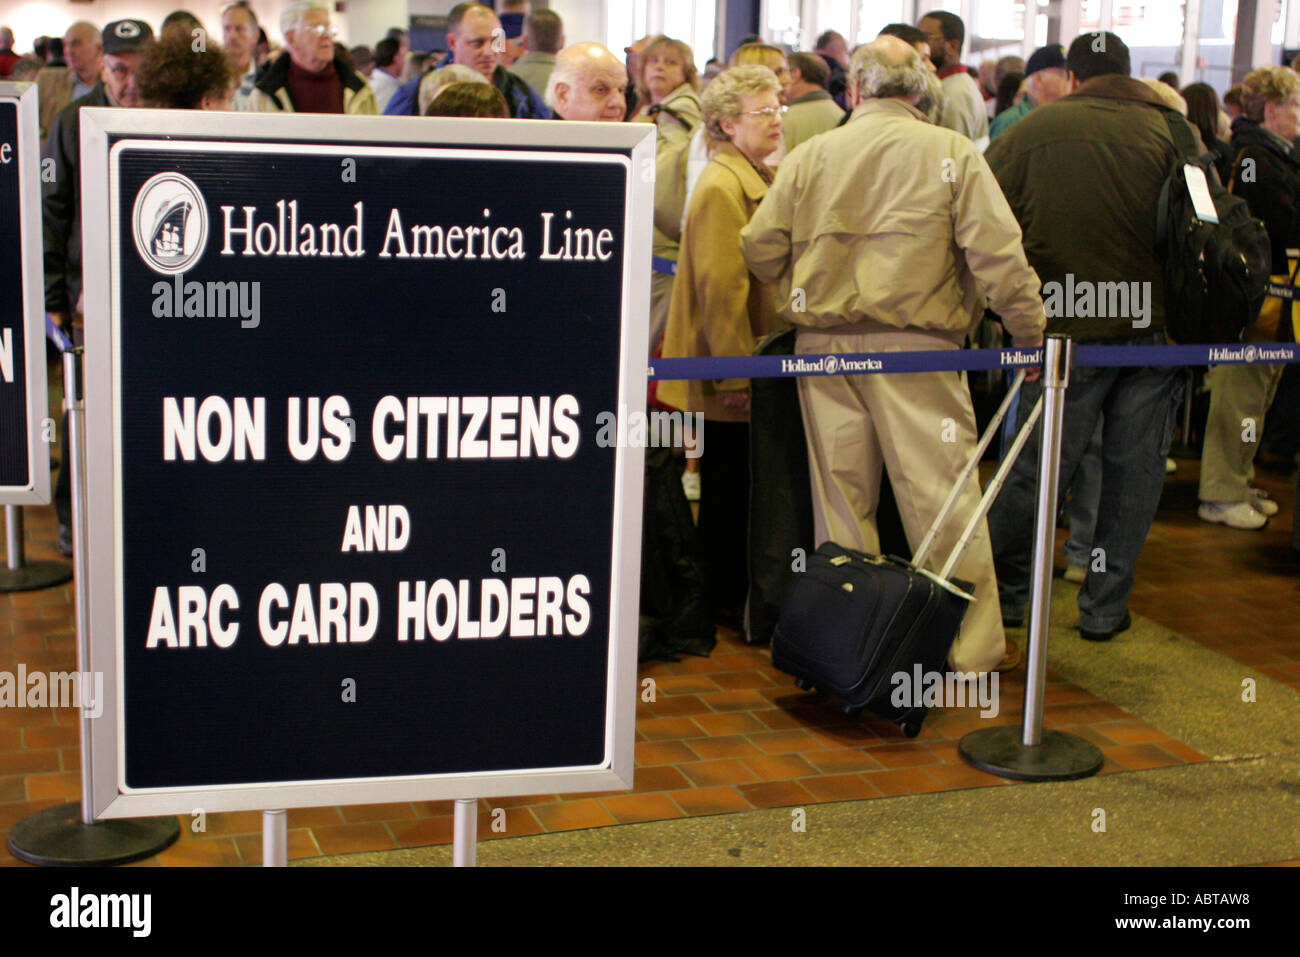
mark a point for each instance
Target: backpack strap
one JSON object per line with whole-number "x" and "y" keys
{"x": 661, "y": 108}
{"x": 1180, "y": 131}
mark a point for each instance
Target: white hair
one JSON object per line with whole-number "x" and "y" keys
{"x": 433, "y": 81}
{"x": 721, "y": 99}
{"x": 295, "y": 13}
{"x": 1168, "y": 95}
{"x": 878, "y": 73}
{"x": 567, "y": 70}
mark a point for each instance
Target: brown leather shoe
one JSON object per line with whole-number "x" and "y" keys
{"x": 1012, "y": 658}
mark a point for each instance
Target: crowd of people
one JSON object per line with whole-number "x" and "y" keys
{"x": 881, "y": 199}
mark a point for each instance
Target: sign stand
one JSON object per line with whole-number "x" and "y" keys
{"x": 465, "y": 828}
{"x": 1032, "y": 753}
{"x": 24, "y": 457}
{"x": 22, "y": 575}
{"x": 275, "y": 839}
{"x": 67, "y": 835}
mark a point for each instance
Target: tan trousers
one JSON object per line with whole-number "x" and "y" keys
{"x": 1239, "y": 397}
{"x": 921, "y": 427}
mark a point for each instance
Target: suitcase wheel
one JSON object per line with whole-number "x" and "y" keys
{"x": 910, "y": 729}
{"x": 803, "y": 684}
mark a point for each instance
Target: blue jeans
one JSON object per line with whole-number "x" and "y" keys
{"x": 1082, "y": 509}
{"x": 1137, "y": 408}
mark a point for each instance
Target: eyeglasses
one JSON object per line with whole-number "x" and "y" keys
{"x": 322, "y": 30}
{"x": 766, "y": 112}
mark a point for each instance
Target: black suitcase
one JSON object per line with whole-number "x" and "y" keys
{"x": 852, "y": 621}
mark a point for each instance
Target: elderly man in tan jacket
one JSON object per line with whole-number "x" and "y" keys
{"x": 888, "y": 234}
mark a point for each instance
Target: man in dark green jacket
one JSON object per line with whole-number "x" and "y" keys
{"x": 1083, "y": 176}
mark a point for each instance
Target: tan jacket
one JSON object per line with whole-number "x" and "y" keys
{"x": 894, "y": 221}
{"x": 54, "y": 92}
{"x": 718, "y": 308}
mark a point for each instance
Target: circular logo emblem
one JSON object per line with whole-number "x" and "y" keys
{"x": 127, "y": 29}
{"x": 169, "y": 223}
{"x": 1248, "y": 354}
{"x": 832, "y": 364}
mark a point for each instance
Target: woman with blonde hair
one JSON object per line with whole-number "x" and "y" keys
{"x": 719, "y": 308}
{"x": 666, "y": 72}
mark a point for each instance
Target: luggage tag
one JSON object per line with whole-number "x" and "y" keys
{"x": 1199, "y": 190}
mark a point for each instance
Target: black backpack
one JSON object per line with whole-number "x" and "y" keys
{"x": 1215, "y": 274}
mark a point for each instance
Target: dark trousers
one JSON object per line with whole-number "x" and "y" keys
{"x": 724, "y": 514}
{"x": 63, "y": 483}
{"x": 1137, "y": 409}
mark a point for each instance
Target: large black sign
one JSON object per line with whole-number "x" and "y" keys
{"x": 366, "y": 528}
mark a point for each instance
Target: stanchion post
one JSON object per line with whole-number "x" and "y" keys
{"x": 275, "y": 839}
{"x": 1029, "y": 753}
{"x": 465, "y": 828}
{"x": 74, "y": 408}
{"x": 13, "y": 537}
{"x": 1057, "y": 355}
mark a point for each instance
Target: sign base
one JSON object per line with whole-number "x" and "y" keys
{"x": 1059, "y": 757}
{"x": 57, "y": 837}
{"x": 34, "y": 575}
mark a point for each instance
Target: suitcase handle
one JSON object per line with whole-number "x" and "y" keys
{"x": 995, "y": 486}
{"x": 927, "y": 544}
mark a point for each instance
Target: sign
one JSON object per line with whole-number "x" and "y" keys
{"x": 354, "y": 536}
{"x": 25, "y": 431}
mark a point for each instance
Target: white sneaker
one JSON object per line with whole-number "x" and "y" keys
{"x": 1261, "y": 503}
{"x": 691, "y": 486}
{"x": 1077, "y": 574}
{"x": 1233, "y": 514}
{"x": 1170, "y": 466}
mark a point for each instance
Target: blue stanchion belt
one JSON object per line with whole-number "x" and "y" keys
{"x": 952, "y": 360}
{"x": 1282, "y": 291}
{"x": 57, "y": 335}
{"x": 666, "y": 266}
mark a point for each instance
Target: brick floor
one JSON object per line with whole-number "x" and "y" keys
{"x": 726, "y": 733}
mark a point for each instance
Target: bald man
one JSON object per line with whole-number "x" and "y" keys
{"x": 589, "y": 84}
{"x": 60, "y": 85}
{"x": 475, "y": 39}
{"x": 934, "y": 248}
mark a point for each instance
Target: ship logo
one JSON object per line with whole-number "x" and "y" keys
{"x": 170, "y": 223}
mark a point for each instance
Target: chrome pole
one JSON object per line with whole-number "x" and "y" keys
{"x": 1058, "y": 353}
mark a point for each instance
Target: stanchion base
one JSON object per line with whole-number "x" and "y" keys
{"x": 57, "y": 837}
{"x": 34, "y": 575}
{"x": 1059, "y": 756}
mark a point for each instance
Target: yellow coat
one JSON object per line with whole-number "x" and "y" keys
{"x": 718, "y": 307}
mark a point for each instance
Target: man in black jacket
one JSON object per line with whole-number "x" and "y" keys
{"x": 61, "y": 206}
{"x": 1088, "y": 209}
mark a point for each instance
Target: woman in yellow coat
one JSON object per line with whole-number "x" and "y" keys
{"x": 719, "y": 309}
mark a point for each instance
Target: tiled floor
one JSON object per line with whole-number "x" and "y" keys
{"x": 728, "y": 732}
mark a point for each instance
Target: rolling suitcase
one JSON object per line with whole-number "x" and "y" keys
{"x": 852, "y": 621}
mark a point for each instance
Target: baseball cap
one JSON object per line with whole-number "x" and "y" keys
{"x": 124, "y": 36}
{"x": 1046, "y": 58}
